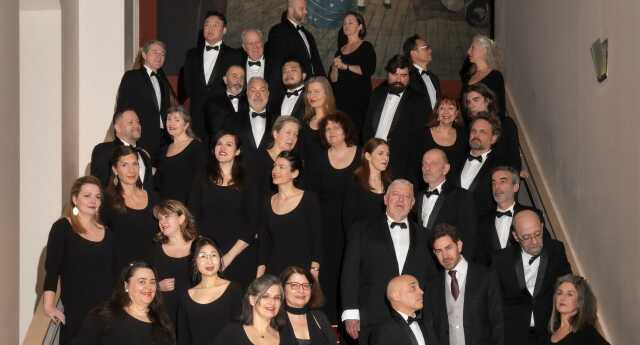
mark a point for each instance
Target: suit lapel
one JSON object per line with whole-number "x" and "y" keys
{"x": 519, "y": 269}
{"x": 388, "y": 243}
{"x": 398, "y": 113}
{"x": 403, "y": 324}
{"x": 217, "y": 68}
{"x": 412, "y": 245}
{"x": 542, "y": 268}
{"x": 147, "y": 79}
{"x": 200, "y": 67}
{"x": 436, "y": 209}
{"x": 481, "y": 172}
{"x": 248, "y": 130}
{"x": 495, "y": 241}
{"x": 377, "y": 112}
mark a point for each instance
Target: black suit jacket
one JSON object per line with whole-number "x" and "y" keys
{"x": 482, "y": 312}
{"x": 285, "y": 42}
{"x": 240, "y": 124}
{"x": 370, "y": 263}
{"x": 136, "y": 90}
{"x": 518, "y": 302}
{"x": 217, "y": 109}
{"x": 198, "y": 90}
{"x": 396, "y": 331}
{"x": 298, "y": 108}
{"x": 416, "y": 83}
{"x": 455, "y": 206}
{"x": 101, "y": 167}
{"x": 405, "y": 136}
{"x": 481, "y": 185}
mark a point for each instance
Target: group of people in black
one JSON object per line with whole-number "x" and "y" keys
{"x": 289, "y": 199}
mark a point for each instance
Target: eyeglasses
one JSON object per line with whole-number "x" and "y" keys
{"x": 206, "y": 256}
{"x": 299, "y": 286}
{"x": 526, "y": 238}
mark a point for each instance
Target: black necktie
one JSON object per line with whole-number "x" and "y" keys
{"x": 212, "y": 47}
{"x": 433, "y": 192}
{"x": 533, "y": 258}
{"x": 231, "y": 97}
{"x": 254, "y": 63}
{"x": 262, "y": 114}
{"x": 505, "y": 213}
{"x": 471, "y": 158}
{"x": 401, "y": 225}
{"x": 293, "y": 93}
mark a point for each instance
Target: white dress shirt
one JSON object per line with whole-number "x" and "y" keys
{"x": 258, "y": 125}
{"x": 304, "y": 37}
{"x": 209, "y": 59}
{"x": 530, "y": 276}
{"x": 289, "y": 102}
{"x": 415, "y": 329}
{"x": 255, "y": 71}
{"x": 429, "y": 203}
{"x": 471, "y": 169}
{"x": 388, "y": 112}
{"x": 503, "y": 226}
{"x": 142, "y": 168}
{"x": 431, "y": 89}
{"x": 156, "y": 89}
{"x": 234, "y": 102}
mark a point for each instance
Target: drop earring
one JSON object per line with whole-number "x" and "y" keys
{"x": 75, "y": 211}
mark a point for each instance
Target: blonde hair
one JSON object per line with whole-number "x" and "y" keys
{"x": 330, "y": 100}
{"x": 490, "y": 48}
{"x": 187, "y": 229}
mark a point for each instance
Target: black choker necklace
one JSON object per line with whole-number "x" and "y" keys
{"x": 296, "y": 311}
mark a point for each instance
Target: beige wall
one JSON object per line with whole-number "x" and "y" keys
{"x": 9, "y": 173}
{"x": 585, "y": 135}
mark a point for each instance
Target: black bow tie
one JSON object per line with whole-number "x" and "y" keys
{"x": 424, "y": 72}
{"x": 411, "y": 319}
{"x": 254, "y": 63}
{"x": 299, "y": 27}
{"x": 395, "y": 93}
{"x": 471, "y": 157}
{"x": 293, "y": 93}
{"x": 212, "y": 47}
{"x": 435, "y": 192}
{"x": 154, "y": 74}
{"x": 505, "y": 213}
{"x": 533, "y": 258}
{"x": 262, "y": 114}
{"x": 401, "y": 225}
{"x": 231, "y": 97}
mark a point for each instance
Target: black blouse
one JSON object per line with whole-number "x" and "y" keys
{"x": 124, "y": 329}
{"x": 174, "y": 176}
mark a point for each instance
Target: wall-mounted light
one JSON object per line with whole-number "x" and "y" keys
{"x": 599, "y": 55}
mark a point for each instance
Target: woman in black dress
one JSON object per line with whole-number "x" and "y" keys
{"x": 212, "y": 303}
{"x": 261, "y": 318}
{"x": 335, "y": 169}
{"x": 134, "y": 315}
{"x": 170, "y": 254}
{"x": 182, "y": 160}
{"x": 292, "y": 231}
{"x": 306, "y": 324}
{"x": 79, "y": 252}
{"x": 482, "y": 56}
{"x": 446, "y": 131}
{"x": 479, "y": 98}
{"x": 221, "y": 202}
{"x": 365, "y": 191}
{"x": 353, "y": 66}
{"x": 574, "y": 313}
{"x": 128, "y": 209}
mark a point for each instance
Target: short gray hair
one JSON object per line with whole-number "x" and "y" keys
{"x": 515, "y": 175}
{"x": 257, "y": 32}
{"x": 399, "y": 181}
{"x": 260, "y": 79}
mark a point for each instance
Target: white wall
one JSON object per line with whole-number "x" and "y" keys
{"x": 585, "y": 135}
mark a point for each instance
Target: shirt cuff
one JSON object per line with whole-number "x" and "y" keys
{"x": 350, "y": 314}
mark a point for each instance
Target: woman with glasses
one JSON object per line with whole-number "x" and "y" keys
{"x": 305, "y": 324}
{"x": 212, "y": 297}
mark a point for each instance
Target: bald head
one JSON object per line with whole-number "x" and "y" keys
{"x": 528, "y": 231}
{"x": 404, "y": 294}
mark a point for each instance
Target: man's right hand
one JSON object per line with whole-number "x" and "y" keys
{"x": 353, "y": 328}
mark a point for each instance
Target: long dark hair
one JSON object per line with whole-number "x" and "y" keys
{"x": 295, "y": 162}
{"x": 196, "y": 246}
{"x": 114, "y": 190}
{"x": 362, "y": 172}
{"x": 317, "y": 297}
{"x": 214, "y": 172}
{"x": 587, "y": 304}
{"x": 161, "y": 327}
{"x": 257, "y": 289}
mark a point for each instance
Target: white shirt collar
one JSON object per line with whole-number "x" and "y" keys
{"x": 295, "y": 25}
{"x": 404, "y": 316}
{"x": 420, "y": 69}
{"x": 217, "y": 44}
{"x": 255, "y": 111}
{"x": 461, "y": 268}
{"x": 438, "y": 187}
{"x": 484, "y": 155}
{"x": 149, "y": 70}
{"x": 405, "y": 221}
{"x": 125, "y": 142}
{"x": 261, "y": 59}
{"x": 508, "y": 208}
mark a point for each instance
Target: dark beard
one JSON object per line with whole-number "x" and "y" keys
{"x": 396, "y": 87}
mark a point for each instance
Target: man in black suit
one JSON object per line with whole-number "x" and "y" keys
{"x": 527, "y": 275}
{"x": 147, "y": 90}
{"x": 444, "y": 202}
{"x": 221, "y": 106}
{"x": 204, "y": 68}
{"x": 405, "y": 326}
{"x": 291, "y": 102}
{"x": 253, "y": 123}
{"x": 465, "y": 300}
{"x": 290, "y": 39}
{"x": 254, "y": 61}
{"x": 397, "y": 114}
{"x": 422, "y": 80}
{"x": 475, "y": 176}
{"x": 378, "y": 249}
{"x": 127, "y": 130}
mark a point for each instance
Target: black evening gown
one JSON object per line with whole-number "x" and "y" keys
{"x": 331, "y": 186}
{"x": 199, "y": 324}
{"x": 224, "y": 214}
{"x": 174, "y": 175}
{"x": 456, "y": 153}
{"x": 170, "y": 267}
{"x": 133, "y": 231}
{"x": 312, "y": 153}
{"x": 352, "y": 91}
{"x": 123, "y": 329}
{"x": 320, "y": 331}
{"x": 233, "y": 334}
{"x": 588, "y": 335}
{"x": 360, "y": 204}
{"x": 85, "y": 271}
{"x": 292, "y": 239}
{"x": 495, "y": 82}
